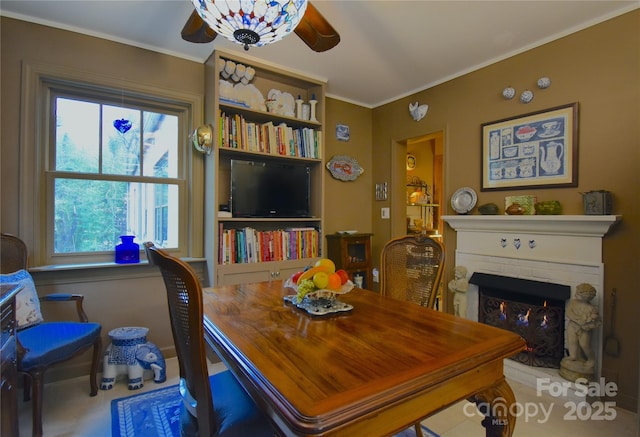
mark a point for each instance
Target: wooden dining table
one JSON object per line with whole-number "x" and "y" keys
{"x": 371, "y": 371}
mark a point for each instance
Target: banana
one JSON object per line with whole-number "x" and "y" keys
{"x": 312, "y": 271}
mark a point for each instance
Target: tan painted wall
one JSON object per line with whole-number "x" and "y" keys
{"x": 348, "y": 204}
{"x": 598, "y": 67}
{"x": 120, "y": 296}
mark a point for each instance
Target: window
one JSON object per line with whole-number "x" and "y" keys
{"x": 115, "y": 173}
{"x": 109, "y": 162}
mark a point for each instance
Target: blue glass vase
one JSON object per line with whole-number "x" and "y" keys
{"x": 127, "y": 252}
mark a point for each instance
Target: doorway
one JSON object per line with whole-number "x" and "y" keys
{"x": 417, "y": 166}
{"x": 417, "y": 186}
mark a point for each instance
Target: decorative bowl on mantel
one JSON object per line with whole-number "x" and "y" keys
{"x": 525, "y": 201}
{"x": 488, "y": 209}
{"x": 515, "y": 209}
{"x": 548, "y": 207}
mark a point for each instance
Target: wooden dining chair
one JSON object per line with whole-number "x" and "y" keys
{"x": 411, "y": 269}
{"x": 41, "y": 343}
{"x": 211, "y": 406}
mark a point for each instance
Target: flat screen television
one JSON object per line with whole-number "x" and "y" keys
{"x": 265, "y": 189}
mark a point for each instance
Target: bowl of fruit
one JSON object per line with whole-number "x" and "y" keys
{"x": 317, "y": 288}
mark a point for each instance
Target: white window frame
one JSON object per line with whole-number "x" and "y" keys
{"x": 36, "y": 192}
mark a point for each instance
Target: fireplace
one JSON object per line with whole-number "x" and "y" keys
{"x": 532, "y": 309}
{"x": 561, "y": 251}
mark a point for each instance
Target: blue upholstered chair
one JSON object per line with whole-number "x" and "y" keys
{"x": 211, "y": 406}
{"x": 40, "y": 343}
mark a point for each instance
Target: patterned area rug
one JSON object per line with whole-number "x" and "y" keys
{"x": 157, "y": 414}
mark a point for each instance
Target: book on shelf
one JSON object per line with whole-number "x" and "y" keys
{"x": 281, "y": 139}
{"x": 248, "y": 245}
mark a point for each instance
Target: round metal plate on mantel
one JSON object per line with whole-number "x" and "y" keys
{"x": 464, "y": 200}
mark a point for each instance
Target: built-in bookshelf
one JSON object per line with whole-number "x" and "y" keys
{"x": 250, "y": 249}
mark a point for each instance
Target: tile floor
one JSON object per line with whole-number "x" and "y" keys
{"x": 70, "y": 412}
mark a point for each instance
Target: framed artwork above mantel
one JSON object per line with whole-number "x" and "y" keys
{"x": 535, "y": 150}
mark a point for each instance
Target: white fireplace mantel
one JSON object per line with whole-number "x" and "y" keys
{"x": 559, "y": 249}
{"x": 577, "y": 225}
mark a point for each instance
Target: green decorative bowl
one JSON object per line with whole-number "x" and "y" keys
{"x": 488, "y": 209}
{"x": 548, "y": 207}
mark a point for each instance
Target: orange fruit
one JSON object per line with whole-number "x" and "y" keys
{"x": 330, "y": 265}
{"x": 335, "y": 282}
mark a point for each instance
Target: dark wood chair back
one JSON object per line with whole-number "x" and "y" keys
{"x": 13, "y": 254}
{"x": 184, "y": 296}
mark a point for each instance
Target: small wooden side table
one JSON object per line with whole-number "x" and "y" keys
{"x": 352, "y": 252}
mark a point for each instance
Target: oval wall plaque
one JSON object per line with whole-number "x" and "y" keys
{"x": 344, "y": 168}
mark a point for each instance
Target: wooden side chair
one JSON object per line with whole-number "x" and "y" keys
{"x": 211, "y": 406}
{"x": 411, "y": 270}
{"x": 41, "y": 343}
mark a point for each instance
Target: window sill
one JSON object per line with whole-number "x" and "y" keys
{"x": 105, "y": 265}
{"x": 108, "y": 271}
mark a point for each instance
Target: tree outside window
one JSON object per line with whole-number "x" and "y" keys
{"x": 116, "y": 171}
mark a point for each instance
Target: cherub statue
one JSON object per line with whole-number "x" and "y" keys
{"x": 583, "y": 318}
{"x": 459, "y": 286}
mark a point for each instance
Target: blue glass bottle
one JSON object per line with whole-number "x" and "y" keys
{"x": 127, "y": 252}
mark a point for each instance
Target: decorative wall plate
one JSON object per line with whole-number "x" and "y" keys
{"x": 411, "y": 162}
{"x": 344, "y": 168}
{"x": 463, "y": 200}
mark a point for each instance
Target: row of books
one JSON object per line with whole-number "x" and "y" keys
{"x": 235, "y": 132}
{"x": 248, "y": 245}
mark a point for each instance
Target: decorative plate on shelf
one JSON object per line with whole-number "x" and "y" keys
{"x": 284, "y": 102}
{"x": 464, "y": 200}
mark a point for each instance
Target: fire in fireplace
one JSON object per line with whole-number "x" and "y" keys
{"x": 532, "y": 309}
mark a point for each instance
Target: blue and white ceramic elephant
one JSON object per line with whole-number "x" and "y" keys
{"x": 130, "y": 354}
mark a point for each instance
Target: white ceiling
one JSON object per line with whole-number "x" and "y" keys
{"x": 388, "y": 49}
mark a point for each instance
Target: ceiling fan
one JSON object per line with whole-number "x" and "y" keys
{"x": 313, "y": 29}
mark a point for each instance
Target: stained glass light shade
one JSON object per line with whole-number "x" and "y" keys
{"x": 252, "y": 22}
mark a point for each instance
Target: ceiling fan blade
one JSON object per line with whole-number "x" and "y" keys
{"x": 315, "y": 31}
{"x": 196, "y": 30}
